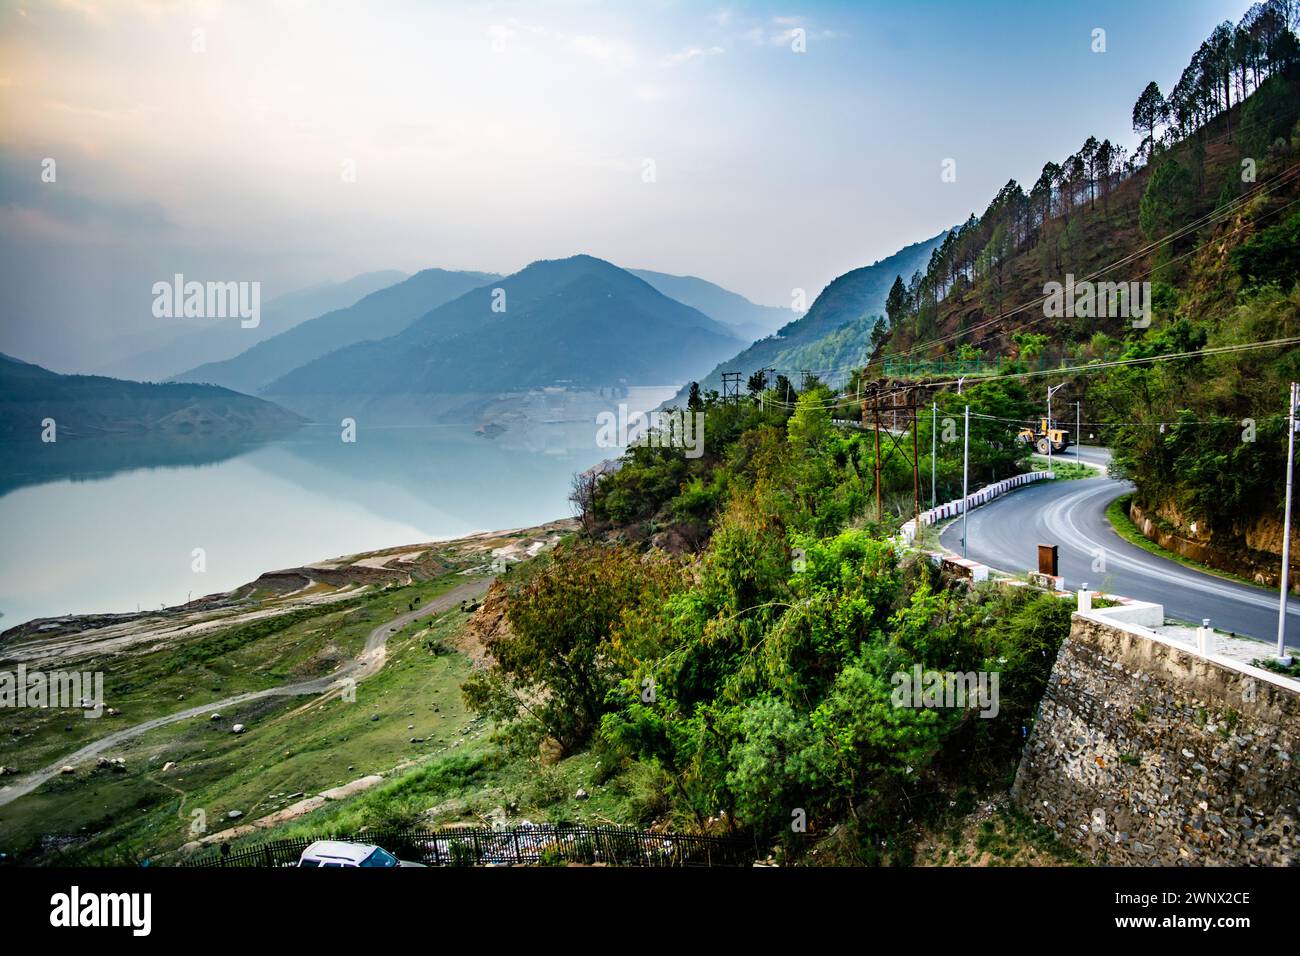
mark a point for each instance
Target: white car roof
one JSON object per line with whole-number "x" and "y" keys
{"x": 339, "y": 850}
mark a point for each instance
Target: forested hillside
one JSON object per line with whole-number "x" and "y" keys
{"x": 1208, "y": 213}
{"x": 36, "y": 403}
{"x": 739, "y": 676}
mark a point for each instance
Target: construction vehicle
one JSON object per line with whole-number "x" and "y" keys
{"x": 1045, "y": 437}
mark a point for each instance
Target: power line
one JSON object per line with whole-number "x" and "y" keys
{"x": 1144, "y": 360}
{"x": 1221, "y": 213}
{"x": 1235, "y": 422}
{"x": 1095, "y": 366}
{"x": 1042, "y": 317}
{"x": 1267, "y": 186}
{"x": 1141, "y": 275}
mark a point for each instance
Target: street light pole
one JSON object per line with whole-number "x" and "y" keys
{"x": 1047, "y": 432}
{"x": 1293, "y": 403}
{"x": 965, "y": 484}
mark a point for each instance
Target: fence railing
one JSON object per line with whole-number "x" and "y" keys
{"x": 908, "y": 532}
{"x": 485, "y": 846}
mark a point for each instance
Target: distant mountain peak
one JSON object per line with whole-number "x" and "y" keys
{"x": 580, "y": 320}
{"x": 832, "y": 334}
{"x": 378, "y": 315}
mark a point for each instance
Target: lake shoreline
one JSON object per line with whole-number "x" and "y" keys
{"x": 345, "y": 574}
{"x": 96, "y": 527}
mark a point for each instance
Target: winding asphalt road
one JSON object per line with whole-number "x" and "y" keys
{"x": 1005, "y": 533}
{"x": 370, "y": 660}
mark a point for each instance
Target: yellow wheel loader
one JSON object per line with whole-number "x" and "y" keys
{"x": 1046, "y": 436}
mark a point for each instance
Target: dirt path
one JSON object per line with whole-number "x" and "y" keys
{"x": 368, "y": 662}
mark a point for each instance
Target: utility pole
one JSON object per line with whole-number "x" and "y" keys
{"x": 904, "y": 399}
{"x": 916, "y": 472}
{"x": 875, "y": 408}
{"x": 762, "y": 397}
{"x": 1048, "y": 431}
{"x": 1292, "y": 406}
{"x": 1078, "y": 420}
{"x": 965, "y": 484}
{"x": 731, "y": 387}
{"x": 934, "y": 446}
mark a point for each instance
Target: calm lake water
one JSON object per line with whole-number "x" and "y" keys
{"x": 112, "y": 527}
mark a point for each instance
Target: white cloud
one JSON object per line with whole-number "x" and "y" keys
{"x": 611, "y": 53}
{"x": 690, "y": 53}
{"x": 786, "y": 36}
{"x": 780, "y": 31}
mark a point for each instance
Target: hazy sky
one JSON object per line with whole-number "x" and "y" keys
{"x": 488, "y": 135}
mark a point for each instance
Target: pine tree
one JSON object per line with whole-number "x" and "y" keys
{"x": 1148, "y": 112}
{"x": 896, "y": 305}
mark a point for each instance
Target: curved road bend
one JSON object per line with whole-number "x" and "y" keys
{"x": 370, "y": 660}
{"x": 1005, "y": 534}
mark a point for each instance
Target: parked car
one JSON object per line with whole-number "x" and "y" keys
{"x": 324, "y": 853}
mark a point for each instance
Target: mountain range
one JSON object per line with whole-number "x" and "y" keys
{"x": 163, "y": 353}
{"x": 577, "y": 322}
{"x": 750, "y": 321}
{"x": 380, "y": 314}
{"x": 441, "y": 344}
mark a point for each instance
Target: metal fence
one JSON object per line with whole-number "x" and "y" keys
{"x": 543, "y": 844}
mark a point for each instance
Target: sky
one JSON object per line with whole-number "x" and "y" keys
{"x": 291, "y": 142}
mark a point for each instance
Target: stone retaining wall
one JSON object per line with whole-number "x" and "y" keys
{"x": 1146, "y": 753}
